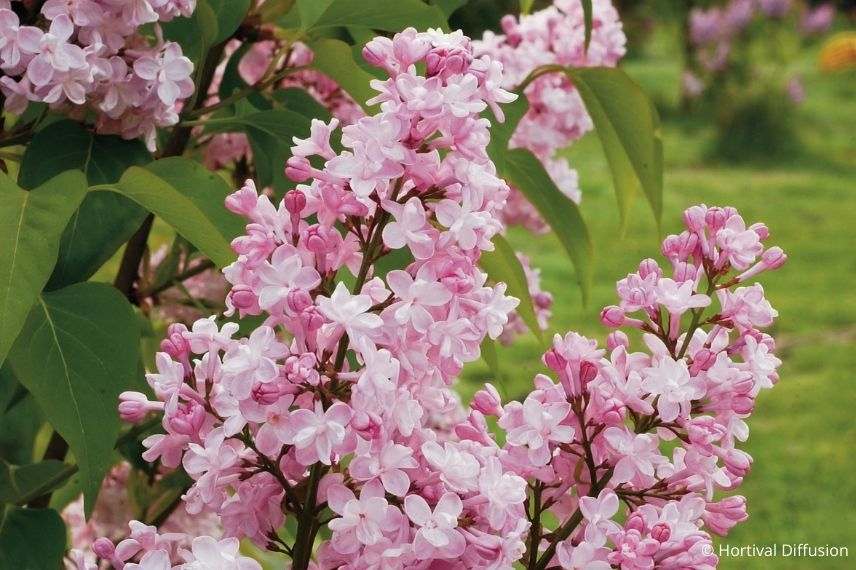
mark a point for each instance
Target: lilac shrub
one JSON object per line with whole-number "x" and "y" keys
{"x": 338, "y": 412}
{"x": 92, "y": 56}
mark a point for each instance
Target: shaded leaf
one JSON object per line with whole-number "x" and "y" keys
{"x": 20, "y": 484}
{"x": 523, "y": 170}
{"x": 32, "y": 539}
{"x": 104, "y": 221}
{"x": 78, "y": 350}
{"x": 230, "y": 14}
{"x": 503, "y": 266}
{"x": 627, "y": 124}
{"x": 378, "y": 15}
{"x": 335, "y": 59}
{"x": 196, "y": 34}
{"x": 31, "y": 224}
{"x": 187, "y": 197}
{"x": 488, "y": 353}
{"x": 270, "y": 134}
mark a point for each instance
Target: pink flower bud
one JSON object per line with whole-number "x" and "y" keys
{"x": 702, "y": 360}
{"x": 649, "y": 267}
{"x": 635, "y": 522}
{"x": 175, "y": 344}
{"x": 554, "y": 361}
{"x": 694, "y": 218}
{"x": 761, "y": 229}
{"x": 242, "y": 297}
{"x": 588, "y": 372}
{"x": 134, "y": 406}
{"x": 487, "y": 401}
{"x": 661, "y": 532}
{"x": 743, "y": 405}
{"x": 243, "y": 201}
{"x": 616, "y": 339}
{"x": 773, "y": 258}
{"x": 187, "y": 419}
{"x": 103, "y": 548}
{"x": 612, "y": 316}
{"x": 378, "y": 51}
{"x": 294, "y": 201}
{"x": 298, "y": 301}
{"x": 737, "y": 461}
{"x": 715, "y": 218}
{"x": 266, "y": 393}
{"x": 366, "y": 424}
{"x": 298, "y": 169}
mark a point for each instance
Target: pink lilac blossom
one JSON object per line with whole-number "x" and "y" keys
{"x": 91, "y": 56}
{"x": 340, "y": 406}
{"x": 556, "y": 116}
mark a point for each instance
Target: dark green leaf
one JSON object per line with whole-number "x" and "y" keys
{"x": 19, "y": 423}
{"x": 379, "y": 15}
{"x": 449, "y": 6}
{"x": 32, "y": 539}
{"x": 335, "y": 59}
{"x": 78, "y": 350}
{"x": 195, "y": 34}
{"x": 30, "y": 227}
{"x": 500, "y": 133}
{"x": 270, "y": 134}
{"x": 104, "y": 221}
{"x": 20, "y": 484}
{"x": 524, "y": 171}
{"x": 628, "y": 127}
{"x": 189, "y": 198}
{"x": 310, "y": 10}
{"x": 230, "y": 14}
{"x": 300, "y": 101}
{"x": 503, "y": 266}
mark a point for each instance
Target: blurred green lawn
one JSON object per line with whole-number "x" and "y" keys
{"x": 802, "y": 488}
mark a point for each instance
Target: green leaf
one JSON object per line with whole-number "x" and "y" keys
{"x": 30, "y": 227}
{"x": 488, "y": 353}
{"x": 19, "y": 421}
{"x": 32, "y": 539}
{"x": 503, "y": 266}
{"x": 78, "y": 350}
{"x": 20, "y": 484}
{"x": 187, "y": 197}
{"x": 301, "y": 102}
{"x": 310, "y": 11}
{"x": 230, "y": 14}
{"x": 587, "y": 20}
{"x": 104, "y": 221}
{"x": 524, "y": 171}
{"x": 500, "y": 133}
{"x": 629, "y": 130}
{"x": 195, "y": 34}
{"x": 448, "y": 7}
{"x": 335, "y": 59}
{"x": 526, "y": 5}
{"x": 378, "y": 15}
{"x": 270, "y": 134}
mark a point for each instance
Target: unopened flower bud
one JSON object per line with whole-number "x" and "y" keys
{"x": 612, "y": 316}
{"x": 773, "y": 258}
{"x": 761, "y": 229}
{"x": 694, "y": 218}
{"x": 134, "y": 406}
{"x": 715, "y": 218}
{"x": 294, "y": 201}
{"x": 649, "y": 267}
{"x": 266, "y": 393}
{"x": 298, "y": 300}
{"x": 298, "y": 169}
{"x": 487, "y": 401}
{"x": 175, "y": 344}
{"x": 588, "y": 372}
{"x": 616, "y": 339}
{"x": 103, "y": 548}
{"x": 554, "y": 361}
{"x": 661, "y": 532}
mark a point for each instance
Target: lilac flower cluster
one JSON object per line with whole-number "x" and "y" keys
{"x": 92, "y": 57}
{"x": 556, "y": 115}
{"x": 338, "y": 410}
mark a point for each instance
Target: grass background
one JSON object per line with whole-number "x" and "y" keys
{"x": 802, "y": 487}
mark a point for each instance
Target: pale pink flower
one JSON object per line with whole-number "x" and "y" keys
{"x": 437, "y": 535}
{"x": 317, "y": 434}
